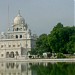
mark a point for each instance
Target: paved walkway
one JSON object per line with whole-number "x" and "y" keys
{"x": 38, "y": 60}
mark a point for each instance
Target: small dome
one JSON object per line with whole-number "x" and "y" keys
{"x": 2, "y": 33}
{"x": 19, "y": 19}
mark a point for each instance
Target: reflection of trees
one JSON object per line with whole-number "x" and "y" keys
{"x": 54, "y": 69}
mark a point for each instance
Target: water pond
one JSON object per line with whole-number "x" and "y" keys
{"x": 43, "y": 68}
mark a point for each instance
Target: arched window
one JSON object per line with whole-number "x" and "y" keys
{"x": 9, "y": 45}
{"x": 12, "y": 54}
{"x": 13, "y": 45}
{"x": 17, "y": 53}
{"x": 7, "y": 55}
{"x": 20, "y": 36}
{"x": 1, "y": 46}
{"x": 18, "y": 45}
{"x": 12, "y": 36}
{"x": 17, "y": 29}
{"x": 16, "y": 36}
{"x": 1, "y": 55}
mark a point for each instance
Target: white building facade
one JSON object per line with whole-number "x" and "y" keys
{"x": 18, "y": 41}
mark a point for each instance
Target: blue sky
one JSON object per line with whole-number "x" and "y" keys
{"x": 40, "y": 15}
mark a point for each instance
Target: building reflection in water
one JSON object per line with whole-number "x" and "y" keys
{"x": 14, "y": 68}
{"x": 43, "y": 68}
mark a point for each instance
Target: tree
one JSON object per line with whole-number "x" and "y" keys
{"x": 60, "y": 40}
{"x": 56, "y": 38}
{"x": 61, "y": 37}
{"x": 71, "y": 45}
{"x": 42, "y": 44}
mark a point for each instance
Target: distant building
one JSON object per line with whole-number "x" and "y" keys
{"x": 17, "y": 41}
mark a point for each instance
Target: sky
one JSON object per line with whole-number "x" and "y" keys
{"x": 40, "y": 15}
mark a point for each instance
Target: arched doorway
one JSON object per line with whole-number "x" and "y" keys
{"x": 16, "y": 54}
{"x": 12, "y": 54}
{"x": 7, "y": 55}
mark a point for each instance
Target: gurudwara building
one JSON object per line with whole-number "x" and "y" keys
{"x": 17, "y": 41}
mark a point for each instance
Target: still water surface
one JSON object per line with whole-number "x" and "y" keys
{"x": 23, "y": 68}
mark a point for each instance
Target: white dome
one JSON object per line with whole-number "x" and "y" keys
{"x": 19, "y": 20}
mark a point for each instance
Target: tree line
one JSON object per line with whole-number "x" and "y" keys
{"x": 60, "y": 40}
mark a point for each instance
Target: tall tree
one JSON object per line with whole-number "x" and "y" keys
{"x": 59, "y": 38}
{"x": 42, "y": 44}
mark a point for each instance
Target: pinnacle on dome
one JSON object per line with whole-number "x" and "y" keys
{"x": 19, "y": 13}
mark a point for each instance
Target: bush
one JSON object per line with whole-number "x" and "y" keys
{"x": 30, "y": 57}
{"x": 61, "y": 55}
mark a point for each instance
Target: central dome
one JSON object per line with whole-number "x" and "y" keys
{"x": 19, "y": 19}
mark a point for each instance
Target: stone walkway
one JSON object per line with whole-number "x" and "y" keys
{"x": 38, "y": 60}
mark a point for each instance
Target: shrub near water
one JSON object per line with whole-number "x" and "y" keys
{"x": 61, "y": 55}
